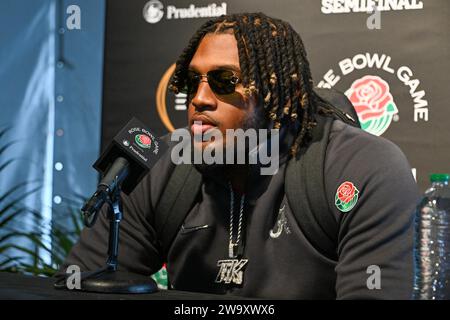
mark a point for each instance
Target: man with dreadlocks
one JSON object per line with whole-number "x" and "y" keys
{"x": 242, "y": 233}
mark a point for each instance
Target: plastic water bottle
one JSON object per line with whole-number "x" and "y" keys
{"x": 432, "y": 242}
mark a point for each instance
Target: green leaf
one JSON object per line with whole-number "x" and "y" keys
{"x": 14, "y": 202}
{"x": 10, "y": 217}
{"x": 6, "y": 263}
{"x": 6, "y": 247}
{"x": 30, "y": 252}
{"x": 44, "y": 270}
{"x": 14, "y": 189}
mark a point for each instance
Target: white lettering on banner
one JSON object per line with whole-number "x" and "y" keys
{"x": 363, "y": 61}
{"x": 211, "y": 10}
{"x": 347, "y": 6}
{"x": 331, "y": 78}
{"x": 381, "y": 62}
{"x": 153, "y": 11}
{"x": 420, "y": 105}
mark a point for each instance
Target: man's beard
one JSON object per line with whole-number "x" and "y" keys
{"x": 255, "y": 120}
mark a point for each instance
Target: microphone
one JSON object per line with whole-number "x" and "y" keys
{"x": 126, "y": 160}
{"x": 113, "y": 178}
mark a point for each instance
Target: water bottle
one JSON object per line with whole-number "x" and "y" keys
{"x": 432, "y": 242}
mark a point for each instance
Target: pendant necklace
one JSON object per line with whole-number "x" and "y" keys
{"x": 232, "y": 270}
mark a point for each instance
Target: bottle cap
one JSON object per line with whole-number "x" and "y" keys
{"x": 439, "y": 177}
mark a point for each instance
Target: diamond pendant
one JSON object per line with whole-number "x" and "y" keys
{"x": 231, "y": 271}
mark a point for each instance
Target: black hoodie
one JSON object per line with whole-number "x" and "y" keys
{"x": 376, "y": 233}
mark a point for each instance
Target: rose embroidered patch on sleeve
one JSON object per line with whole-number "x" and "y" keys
{"x": 346, "y": 196}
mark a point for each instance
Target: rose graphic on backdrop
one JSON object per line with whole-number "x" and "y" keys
{"x": 373, "y": 102}
{"x": 346, "y": 196}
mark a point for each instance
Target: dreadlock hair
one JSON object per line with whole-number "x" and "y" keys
{"x": 273, "y": 65}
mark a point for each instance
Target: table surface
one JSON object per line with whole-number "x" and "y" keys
{"x": 16, "y": 287}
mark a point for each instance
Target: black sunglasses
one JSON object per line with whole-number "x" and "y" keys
{"x": 220, "y": 81}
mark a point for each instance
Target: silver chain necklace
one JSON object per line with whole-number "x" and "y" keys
{"x": 232, "y": 245}
{"x": 232, "y": 270}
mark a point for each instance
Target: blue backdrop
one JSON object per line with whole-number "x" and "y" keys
{"x": 50, "y": 98}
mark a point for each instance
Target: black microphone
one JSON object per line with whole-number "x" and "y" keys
{"x": 123, "y": 164}
{"x": 113, "y": 178}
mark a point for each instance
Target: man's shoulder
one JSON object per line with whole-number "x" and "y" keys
{"x": 348, "y": 143}
{"x": 366, "y": 160}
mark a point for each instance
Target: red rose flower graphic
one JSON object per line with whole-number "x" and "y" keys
{"x": 145, "y": 139}
{"x": 370, "y": 96}
{"x": 346, "y": 192}
{"x": 346, "y": 196}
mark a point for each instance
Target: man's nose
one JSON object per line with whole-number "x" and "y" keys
{"x": 204, "y": 98}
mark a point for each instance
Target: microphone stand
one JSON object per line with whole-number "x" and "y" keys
{"x": 108, "y": 279}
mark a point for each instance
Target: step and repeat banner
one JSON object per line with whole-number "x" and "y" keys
{"x": 395, "y": 53}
